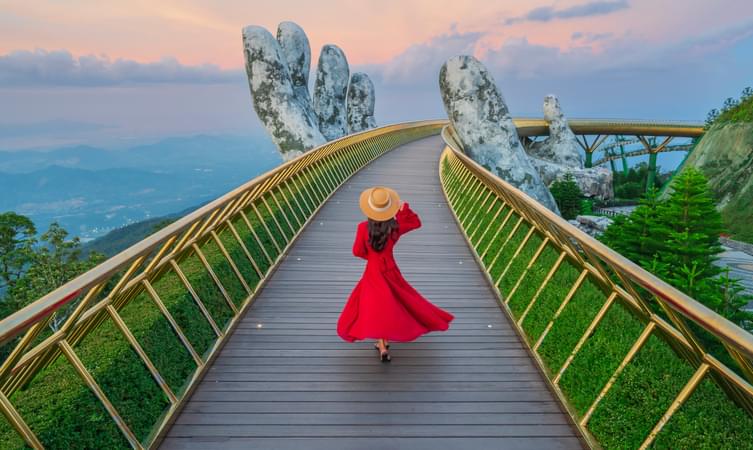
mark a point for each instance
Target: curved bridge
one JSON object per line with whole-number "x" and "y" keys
{"x": 634, "y": 153}
{"x": 640, "y": 132}
{"x": 219, "y": 330}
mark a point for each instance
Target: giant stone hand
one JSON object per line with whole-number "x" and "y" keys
{"x": 482, "y": 121}
{"x": 288, "y": 120}
{"x": 278, "y": 75}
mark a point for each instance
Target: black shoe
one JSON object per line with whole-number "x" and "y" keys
{"x": 385, "y": 356}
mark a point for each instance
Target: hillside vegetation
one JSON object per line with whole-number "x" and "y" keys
{"x": 725, "y": 156}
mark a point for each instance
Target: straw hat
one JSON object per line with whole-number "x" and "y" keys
{"x": 379, "y": 203}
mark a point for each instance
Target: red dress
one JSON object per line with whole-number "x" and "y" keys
{"x": 383, "y": 305}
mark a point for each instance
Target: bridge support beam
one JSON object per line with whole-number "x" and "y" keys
{"x": 622, "y": 155}
{"x": 652, "y": 152}
{"x": 591, "y": 147}
{"x": 651, "y": 181}
{"x": 625, "y": 167}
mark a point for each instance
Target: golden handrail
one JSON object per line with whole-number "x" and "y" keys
{"x": 539, "y": 127}
{"x": 618, "y": 278}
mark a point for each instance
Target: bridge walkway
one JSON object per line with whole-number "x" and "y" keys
{"x": 285, "y": 380}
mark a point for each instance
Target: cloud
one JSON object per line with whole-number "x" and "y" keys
{"x": 61, "y": 68}
{"x": 423, "y": 60}
{"x": 606, "y": 54}
{"x": 588, "y": 38}
{"x": 716, "y": 40}
{"x": 548, "y": 13}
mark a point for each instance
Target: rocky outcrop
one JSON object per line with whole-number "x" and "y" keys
{"x": 560, "y": 146}
{"x": 297, "y": 52}
{"x": 332, "y": 76}
{"x": 278, "y": 75}
{"x": 360, "y": 103}
{"x": 593, "y": 183}
{"x": 592, "y": 225}
{"x": 288, "y": 121}
{"x": 482, "y": 121}
{"x": 560, "y": 154}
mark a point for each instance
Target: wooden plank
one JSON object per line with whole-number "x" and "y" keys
{"x": 375, "y": 443}
{"x": 286, "y": 380}
{"x": 251, "y": 397}
{"x": 374, "y": 407}
{"x": 356, "y": 417}
{"x": 399, "y": 430}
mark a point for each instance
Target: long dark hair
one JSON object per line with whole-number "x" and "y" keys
{"x": 379, "y": 231}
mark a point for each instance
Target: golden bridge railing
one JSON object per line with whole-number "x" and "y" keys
{"x": 644, "y": 132}
{"x": 538, "y": 127}
{"x": 634, "y": 361}
{"x": 162, "y": 309}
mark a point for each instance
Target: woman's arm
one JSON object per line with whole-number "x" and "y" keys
{"x": 407, "y": 219}
{"x": 359, "y": 245}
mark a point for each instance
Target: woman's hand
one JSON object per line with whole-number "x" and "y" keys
{"x": 402, "y": 205}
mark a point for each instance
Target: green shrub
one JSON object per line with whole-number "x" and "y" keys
{"x": 567, "y": 194}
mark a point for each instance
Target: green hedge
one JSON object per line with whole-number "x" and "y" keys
{"x": 642, "y": 393}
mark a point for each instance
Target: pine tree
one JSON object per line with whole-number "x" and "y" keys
{"x": 688, "y": 226}
{"x": 633, "y": 236}
{"x": 677, "y": 239}
{"x": 567, "y": 194}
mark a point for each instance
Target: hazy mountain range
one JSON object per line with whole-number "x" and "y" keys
{"x": 91, "y": 191}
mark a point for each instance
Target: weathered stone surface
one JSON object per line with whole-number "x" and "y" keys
{"x": 560, "y": 146}
{"x": 594, "y": 183}
{"x": 289, "y": 122}
{"x": 332, "y": 76}
{"x": 360, "y": 103}
{"x": 482, "y": 121}
{"x": 297, "y": 52}
{"x": 560, "y": 153}
{"x": 592, "y": 225}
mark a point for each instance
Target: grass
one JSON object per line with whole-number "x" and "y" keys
{"x": 641, "y": 395}
{"x": 600, "y": 356}
{"x": 707, "y": 420}
{"x": 571, "y": 324}
{"x": 520, "y": 300}
{"x": 646, "y": 387}
{"x": 517, "y": 265}
{"x": 548, "y": 301}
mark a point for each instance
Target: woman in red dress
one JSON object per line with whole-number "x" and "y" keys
{"x": 383, "y": 305}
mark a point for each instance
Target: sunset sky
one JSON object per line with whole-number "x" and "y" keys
{"x": 113, "y": 72}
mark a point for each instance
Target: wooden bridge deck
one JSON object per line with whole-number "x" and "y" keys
{"x": 285, "y": 380}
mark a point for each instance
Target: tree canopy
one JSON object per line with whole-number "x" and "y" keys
{"x": 677, "y": 239}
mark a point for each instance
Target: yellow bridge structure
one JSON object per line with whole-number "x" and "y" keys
{"x": 218, "y": 331}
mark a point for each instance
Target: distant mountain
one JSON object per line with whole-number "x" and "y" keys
{"x": 91, "y": 191}
{"x": 120, "y": 239}
{"x": 202, "y": 151}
